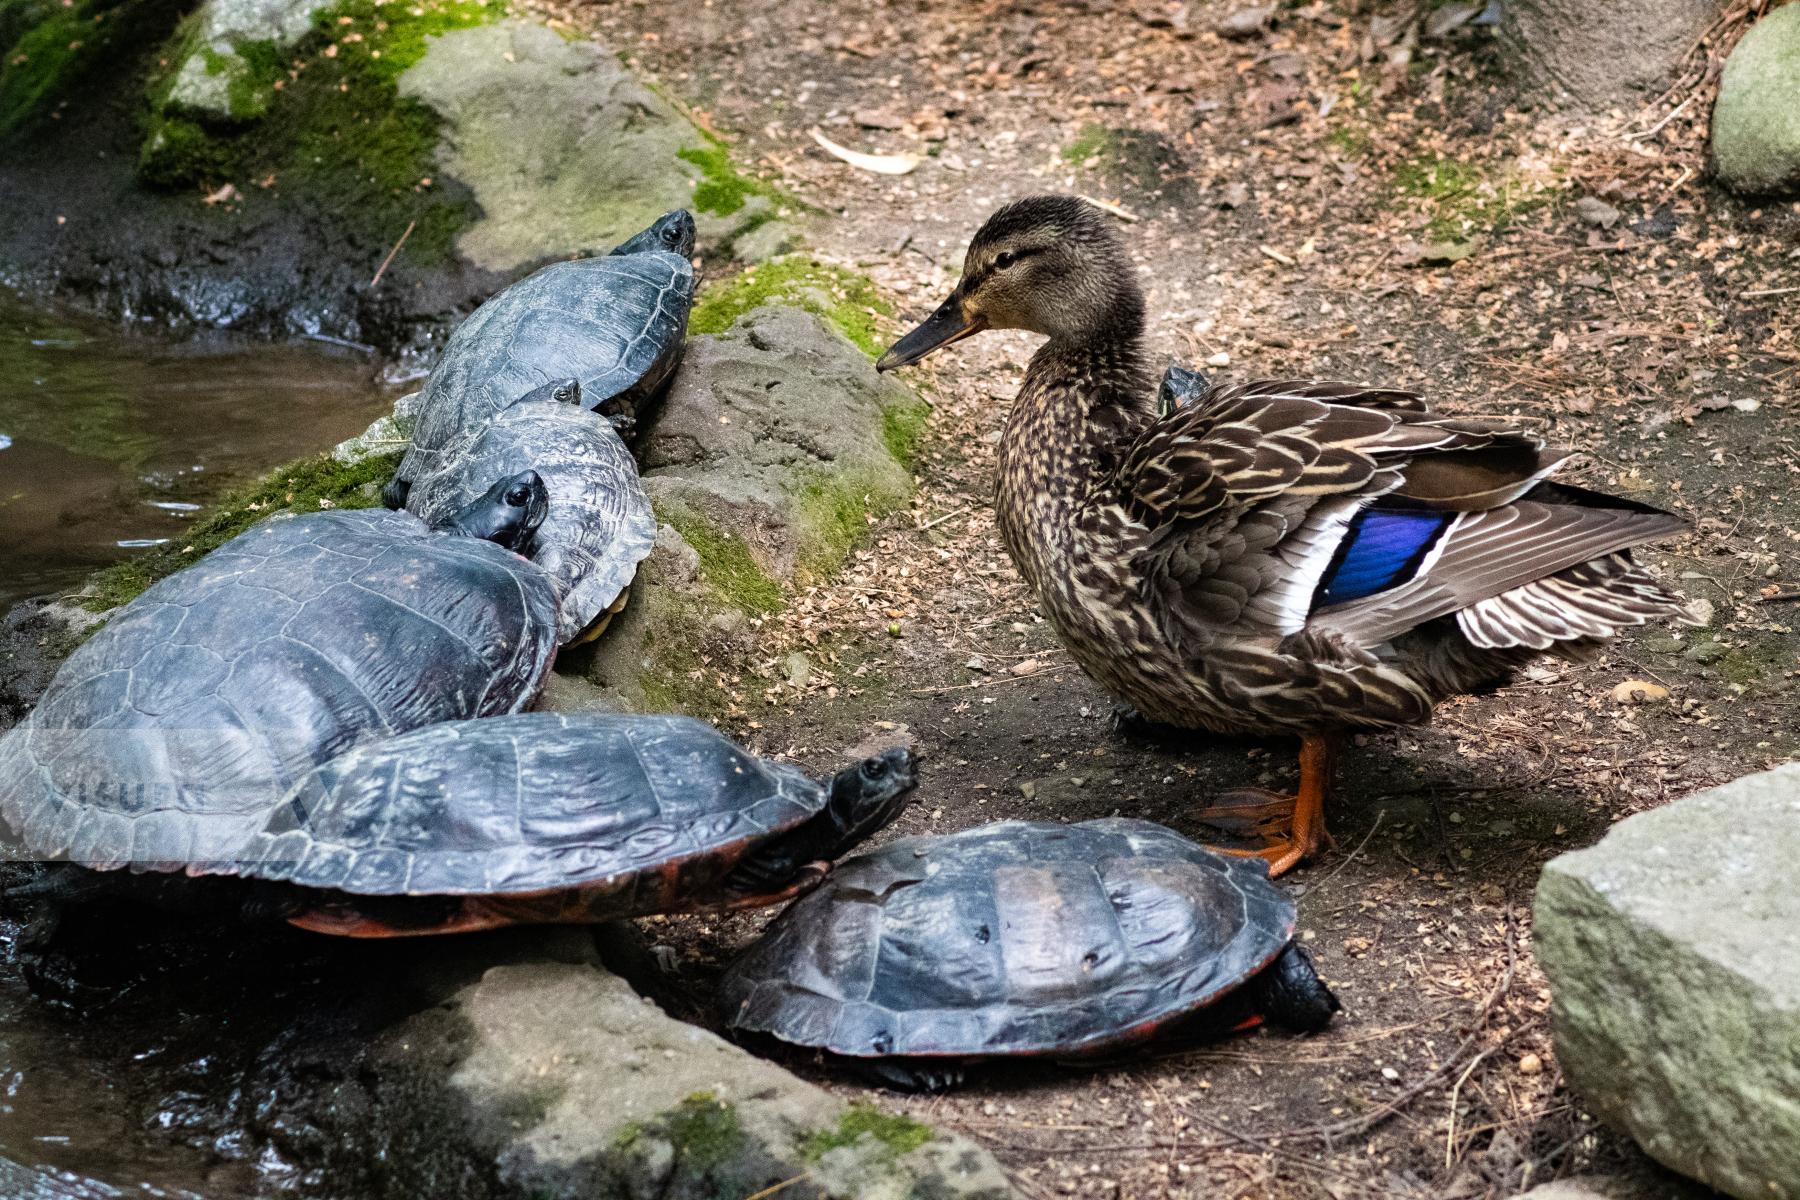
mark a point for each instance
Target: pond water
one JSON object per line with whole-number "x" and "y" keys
{"x": 110, "y": 443}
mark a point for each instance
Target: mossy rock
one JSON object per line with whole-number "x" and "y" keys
{"x": 776, "y": 450}
{"x": 1756, "y": 121}
{"x": 567, "y": 152}
{"x": 566, "y": 1083}
{"x": 314, "y": 119}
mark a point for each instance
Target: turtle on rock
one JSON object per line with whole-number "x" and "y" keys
{"x": 1024, "y": 939}
{"x": 617, "y": 323}
{"x": 534, "y": 818}
{"x": 164, "y": 740}
{"x": 599, "y": 526}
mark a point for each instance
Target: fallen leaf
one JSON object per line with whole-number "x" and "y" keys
{"x": 1640, "y": 691}
{"x": 880, "y": 164}
{"x": 224, "y": 195}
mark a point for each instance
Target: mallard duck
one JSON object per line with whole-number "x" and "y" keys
{"x": 1284, "y": 556}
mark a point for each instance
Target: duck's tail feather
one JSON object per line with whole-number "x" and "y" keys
{"x": 1594, "y": 599}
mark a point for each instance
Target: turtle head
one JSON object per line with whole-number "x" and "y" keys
{"x": 673, "y": 232}
{"x": 866, "y": 798}
{"x": 861, "y": 802}
{"x": 507, "y": 514}
{"x": 557, "y": 391}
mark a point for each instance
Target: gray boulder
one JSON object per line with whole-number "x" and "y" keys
{"x": 1603, "y": 53}
{"x": 1673, "y": 952}
{"x": 1756, "y": 121}
{"x": 567, "y": 152}
{"x": 766, "y": 464}
{"x": 570, "y": 1084}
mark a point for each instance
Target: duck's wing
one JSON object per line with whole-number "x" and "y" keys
{"x": 1278, "y": 507}
{"x": 1227, "y": 396}
{"x": 1543, "y": 569}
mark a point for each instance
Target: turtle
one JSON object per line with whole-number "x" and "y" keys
{"x": 599, "y": 526}
{"x": 1181, "y": 387}
{"x": 1024, "y": 938}
{"x": 555, "y": 818}
{"x": 617, "y": 323}
{"x": 164, "y": 738}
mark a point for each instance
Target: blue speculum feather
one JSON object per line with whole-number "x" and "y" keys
{"x": 1381, "y": 549}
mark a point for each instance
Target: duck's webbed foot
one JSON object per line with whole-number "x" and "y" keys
{"x": 1294, "y": 826}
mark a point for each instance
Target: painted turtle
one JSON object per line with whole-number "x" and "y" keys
{"x": 599, "y": 526}
{"x": 1024, "y": 938}
{"x": 557, "y": 818}
{"x": 618, "y": 324}
{"x": 165, "y": 738}
{"x": 1180, "y": 388}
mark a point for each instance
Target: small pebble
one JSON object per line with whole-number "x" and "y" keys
{"x": 1531, "y": 1064}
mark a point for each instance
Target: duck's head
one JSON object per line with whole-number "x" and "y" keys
{"x": 1049, "y": 264}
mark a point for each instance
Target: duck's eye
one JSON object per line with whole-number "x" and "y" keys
{"x": 1005, "y": 259}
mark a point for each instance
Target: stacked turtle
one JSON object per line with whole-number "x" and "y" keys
{"x": 328, "y": 706}
{"x": 552, "y": 374}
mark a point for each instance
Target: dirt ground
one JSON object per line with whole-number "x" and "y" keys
{"x": 1335, "y": 198}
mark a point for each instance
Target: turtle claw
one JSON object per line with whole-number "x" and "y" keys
{"x": 903, "y": 1075}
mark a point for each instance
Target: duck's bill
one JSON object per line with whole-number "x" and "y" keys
{"x": 942, "y": 327}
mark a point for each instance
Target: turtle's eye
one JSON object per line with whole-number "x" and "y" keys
{"x": 519, "y": 496}
{"x": 564, "y": 394}
{"x": 876, "y": 768}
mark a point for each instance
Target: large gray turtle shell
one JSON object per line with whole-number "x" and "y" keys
{"x": 1012, "y": 938}
{"x": 527, "y": 803}
{"x": 166, "y": 738}
{"x": 617, "y": 324}
{"x": 599, "y": 525}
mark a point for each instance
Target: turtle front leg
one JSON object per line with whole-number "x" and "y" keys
{"x": 1294, "y": 825}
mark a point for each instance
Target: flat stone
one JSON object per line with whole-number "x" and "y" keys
{"x": 573, "y": 1086}
{"x": 1673, "y": 953}
{"x": 1756, "y": 121}
{"x": 566, "y": 151}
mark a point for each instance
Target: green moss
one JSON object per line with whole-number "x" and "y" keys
{"x": 177, "y": 152}
{"x": 1462, "y": 198}
{"x": 1092, "y": 142}
{"x": 1752, "y": 664}
{"x": 903, "y": 427}
{"x": 899, "y": 1134}
{"x": 837, "y": 509}
{"x": 703, "y": 1131}
{"x": 304, "y": 486}
{"x": 849, "y": 302}
{"x": 336, "y": 128}
{"x": 723, "y": 189}
{"x": 48, "y": 46}
{"x": 725, "y": 562}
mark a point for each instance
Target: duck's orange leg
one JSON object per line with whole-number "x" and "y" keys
{"x": 1294, "y": 825}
